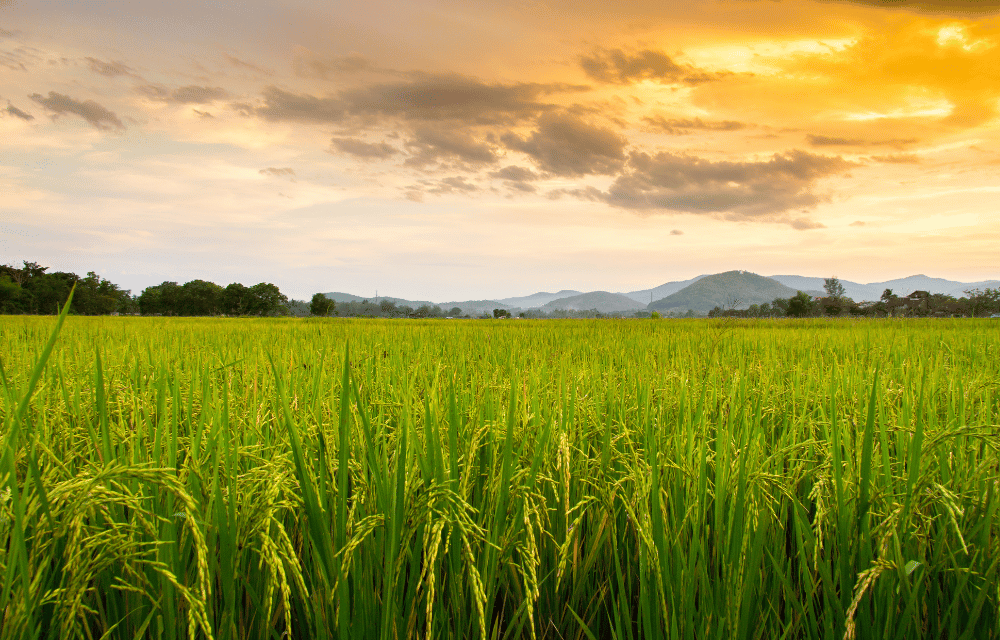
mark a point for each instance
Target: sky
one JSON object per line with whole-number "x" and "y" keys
{"x": 454, "y": 149}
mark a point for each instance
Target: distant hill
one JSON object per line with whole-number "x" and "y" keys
{"x": 538, "y": 299}
{"x": 662, "y": 291}
{"x": 339, "y": 296}
{"x": 603, "y": 301}
{"x": 721, "y": 290}
{"x": 900, "y": 286}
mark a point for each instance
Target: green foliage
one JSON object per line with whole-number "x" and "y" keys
{"x": 191, "y": 477}
{"x": 321, "y": 305}
{"x": 801, "y": 305}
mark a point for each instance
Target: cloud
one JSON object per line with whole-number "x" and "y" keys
{"x": 4, "y": 33}
{"x": 454, "y": 97}
{"x": 307, "y": 64}
{"x": 804, "y": 224}
{"x": 857, "y": 223}
{"x": 736, "y": 190}
{"x": 425, "y": 97}
{"x": 109, "y": 69}
{"x": 14, "y": 111}
{"x": 828, "y": 141}
{"x": 431, "y": 143}
{"x": 835, "y": 141}
{"x": 514, "y": 172}
{"x": 183, "y": 95}
{"x": 98, "y": 116}
{"x": 363, "y": 150}
{"x": 950, "y": 7}
{"x": 203, "y": 114}
{"x": 683, "y": 126}
{"x": 589, "y": 193}
{"x": 281, "y": 105}
{"x": 567, "y": 146}
{"x": 278, "y": 172}
{"x": 898, "y": 158}
{"x": 615, "y": 66}
{"x": 516, "y": 178}
{"x": 455, "y": 184}
{"x": 676, "y": 232}
{"x": 242, "y": 64}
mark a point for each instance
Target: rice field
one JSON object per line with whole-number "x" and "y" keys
{"x": 286, "y": 478}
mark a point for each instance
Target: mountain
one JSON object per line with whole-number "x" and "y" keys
{"x": 603, "y": 301}
{"x": 662, "y": 291}
{"x": 732, "y": 288}
{"x": 538, "y": 299}
{"x": 900, "y": 286}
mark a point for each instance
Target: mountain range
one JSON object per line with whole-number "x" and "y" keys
{"x": 737, "y": 289}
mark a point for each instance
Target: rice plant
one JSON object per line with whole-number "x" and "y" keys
{"x": 234, "y": 478}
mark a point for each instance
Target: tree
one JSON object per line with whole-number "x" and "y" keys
{"x": 267, "y": 300}
{"x": 236, "y": 300}
{"x": 800, "y": 305}
{"x": 160, "y": 299}
{"x": 321, "y": 305}
{"x": 455, "y": 312}
{"x": 833, "y": 288}
{"x": 200, "y": 298}
{"x": 501, "y": 313}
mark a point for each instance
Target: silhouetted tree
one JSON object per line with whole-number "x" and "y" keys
{"x": 321, "y": 305}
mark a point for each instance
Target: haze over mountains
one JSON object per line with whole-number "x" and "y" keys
{"x": 737, "y": 289}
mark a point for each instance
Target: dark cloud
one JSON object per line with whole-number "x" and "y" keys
{"x": 517, "y": 178}
{"x": 898, "y": 158}
{"x": 950, "y": 7}
{"x": 567, "y": 146}
{"x": 830, "y": 141}
{"x": 615, "y": 66}
{"x": 683, "y": 126}
{"x": 804, "y": 224}
{"x": 454, "y": 97}
{"x": 4, "y": 33}
{"x": 279, "y": 172}
{"x": 203, "y": 114}
{"x": 513, "y": 172}
{"x": 432, "y": 144}
{"x": 362, "y": 149}
{"x": 834, "y": 141}
{"x": 109, "y": 69}
{"x": 423, "y": 98}
{"x": 282, "y": 105}
{"x": 14, "y": 111}
{"x": 520, "y": 186}
{"x": 676, "y": 232}
{"x": 309, "y": 65}
{"x": 737, "y": 190}
{"x": 183, "y": 95}
{"x": 98, "y": 116}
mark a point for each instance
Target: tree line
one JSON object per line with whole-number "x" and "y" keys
{"x": 977, "y": 303}
{"x": 31, "y": 289}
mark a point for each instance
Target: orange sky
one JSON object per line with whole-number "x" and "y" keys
{"x": 448, "y": 150}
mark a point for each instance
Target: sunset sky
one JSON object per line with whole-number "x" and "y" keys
{"x": 448, "y": 150}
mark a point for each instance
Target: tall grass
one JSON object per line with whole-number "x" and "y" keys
{"x": 189, "y": 478}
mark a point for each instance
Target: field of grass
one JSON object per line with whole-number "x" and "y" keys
{"x": 234, "y": 478}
